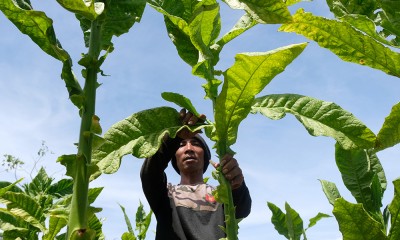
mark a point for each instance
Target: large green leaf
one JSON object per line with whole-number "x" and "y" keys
{"x": 355, "y": 223}
{"x": 61, "y": 188}
{"x": 389, "y": 135}
{"x": 357, "y": 171}
{"x": 263, "y": 11}
{"x": 36, "y": 25}
{"x": 19, "y": 233}
{"x": 117, "y": 18}
{"x": 140, "y": 135}
{"x": 96, "y": 225}
{"x": 367, "y": 26}
{"x": 40, "y": 29}
{"x": 9, "y": 221}
{"x": 24, "y": 206}
{"x": 88, "y": 9}
{"x": 330, "y": 190}
{"x": 344, "y": 7}
{"x": 345, "y": 41}
{"x": 205, "y": 27}
{"x": 278, "y": 219}
{"x": 320, "y": 118}
{"x": 177, "y": 15}
{"x": 390, "y": 19}
{"x": 178, "y": 31}
{"x": 181, "y": 101}
{"x": 39, "y": 184}
{"x": 394, "y": 209}
{"x": 248, "y": 76}
{"x": 294, "y": 223}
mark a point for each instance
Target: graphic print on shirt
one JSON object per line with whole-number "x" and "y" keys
{"x": 196, "y": 197}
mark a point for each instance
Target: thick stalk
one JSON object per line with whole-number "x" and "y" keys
{"x": 231, "y": 227}
{"x": 78, "y": 218}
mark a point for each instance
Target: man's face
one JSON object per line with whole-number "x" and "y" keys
{"x": 190, "y": 156}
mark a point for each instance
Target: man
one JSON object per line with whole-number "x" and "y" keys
{"x": 188, "y": 211}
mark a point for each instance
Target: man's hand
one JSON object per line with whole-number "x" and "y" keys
{"x": 231, "y": 170}
{"x": 189, "y": 119}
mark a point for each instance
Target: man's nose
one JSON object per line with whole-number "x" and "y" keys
{"x": 189, "y": 147}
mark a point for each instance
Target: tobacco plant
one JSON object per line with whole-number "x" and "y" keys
{"x": 194, "y": 28}
{"x": 290, "y": 224}
{"x": 362, "y": 34}
{"x": 142, "y": 220}
{"x": 100, "y": 21}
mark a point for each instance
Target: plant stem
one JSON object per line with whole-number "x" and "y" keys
{"x": 78, "y": 217}
{"x": 231, "y": 227}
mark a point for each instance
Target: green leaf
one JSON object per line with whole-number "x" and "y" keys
{"x": 61, "y": 188}
{"x": 248, "y": 76}
{"x": 181, "y": 101}
{"x": 355, "y": 223}
{"x": 128, "y": 236}
{"x": 394, "y": 209}
{"x": 221, "y": 191}
{"x": 87, "y": 8}
{"x": 278, "y": 219}
{"x": 40, "y": 29}
{"x": 7, "y": 186}
{"x": 330, "y": 190}
{"x": 389, "y": 135}
{"x": 25, "y": 207}
{"x": 69, "y": 161}
{"x": 346, "y": 42}
{"x": 264, "y": 11}
{"x": 127, "y": 221}
{"x": 94, "y": 193}
{"x": 39, "y": 184}
{"x": 142, "y": 221}
{"x": 55, "y": 226}
{"x": 205, "y": 26}
{"x": 9, "y": 221}
{"x": 37, "y": 26}
{"x": 389, "y": 19}
{"x": 96, "y": 225}
{"x": 294, "y": 223}
{"x": 319, "y": 117}
{"x": 177, "y": 15}
{"x": 245, "y": 23}
{"x": 181, "y": 39}
{"x": 140, "y": 135}
{"x": 315, "y": 219}
{"x": 19, "y": 233}
{"x": 344, "y": 7}
{"x": 367, "y": 26}
{"x": 357, "y": 175}
{"x": 118, "y": 18}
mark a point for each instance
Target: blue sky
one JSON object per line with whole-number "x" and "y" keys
{"x": 280, "y": 160}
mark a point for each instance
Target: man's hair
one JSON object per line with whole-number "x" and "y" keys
{"x": 207, "y": 154}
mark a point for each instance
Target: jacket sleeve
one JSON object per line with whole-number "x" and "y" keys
{"x": 242, "y": 201}
{"x": 154, "y": 180}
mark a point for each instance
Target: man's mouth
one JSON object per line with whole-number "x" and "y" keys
{"x": 189, "y": 158}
